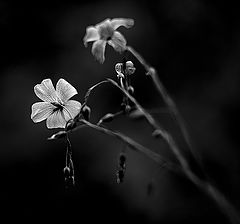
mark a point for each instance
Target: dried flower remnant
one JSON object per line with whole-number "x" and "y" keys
{"x": 129, "y": 69}
{"x": 56, "y": 107}
{"x": 121, "y": 168}
{"x": 106, "y": 32}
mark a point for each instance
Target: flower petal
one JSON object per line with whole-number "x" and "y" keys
{"x": 65, "y": 90}
{"x": 56, "y": 120}
{"x": 98, "y": 50}
{"x": 41, "y": 111}
{"x": 91, "y": 35}
{"x": 45, "y": 91}
{"x": 118, "y": 42}
{"x": 71, "y": 109}
{"x": 128, "y": 23}
{"x": 105, "y": 22}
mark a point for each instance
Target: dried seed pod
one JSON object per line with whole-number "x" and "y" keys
{"x": 120, "y": 176}
{"x": 127, "y": 109}
{"x": 121, "y": 168}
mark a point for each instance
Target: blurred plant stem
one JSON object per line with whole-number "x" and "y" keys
{"x": 204, "y": 185}
{"x": 167, "y": 99}
{"x": 182, "y": 168}
{"x": 226, "y": 207}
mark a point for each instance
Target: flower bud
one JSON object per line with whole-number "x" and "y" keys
{"x": 66, "y": 171}
{"x": 130, "y": 69}
{"x": 86, "y": 111}
{"x": 130, "y": 89}
{"x": 71, "y": 124}
{"x": 122, "y": 160}
{"x": 121, "y": 167}
{"x": 120, "y": 176}
{"x": 127, "y": 109}
{"x": 119, "y": 70}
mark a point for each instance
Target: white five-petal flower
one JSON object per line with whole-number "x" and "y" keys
{"x": 105, "y": 32}
{"x": 56, "y": 107}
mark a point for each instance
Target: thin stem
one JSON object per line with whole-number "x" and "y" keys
{"x": 69, "y": 178}
{"x": 90, "y": 90}
{"x": 205, "y": 186}
{"x": 167, "y": 99}
{"x": 134, "y": 145}
{"x": 155, "y": 126}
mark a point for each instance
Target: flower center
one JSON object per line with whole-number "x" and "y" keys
{"x": 57, "y": 105}
{"x": 106, "y": 32}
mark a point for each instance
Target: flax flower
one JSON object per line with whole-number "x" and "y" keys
{"x": 56, "y": 107}
{"x": 106, "y": 32}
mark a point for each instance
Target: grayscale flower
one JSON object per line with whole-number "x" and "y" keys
{"x": 56, "y": 107}
{"x": 106, "y": 32}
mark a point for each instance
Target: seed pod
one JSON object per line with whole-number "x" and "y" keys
{"x": 69, "y": 182}
{"x": 127, "y": 109}
{"x": 122, "y": 161}
{"x": 121, "y": 168}
{"x": 86, "y": 112}
{"x": 120, "y": 176}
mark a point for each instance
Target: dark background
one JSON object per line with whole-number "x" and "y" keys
{"x": 194, "y": 45}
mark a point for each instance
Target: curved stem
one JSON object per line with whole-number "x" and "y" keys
{"x": 90, "y": 90}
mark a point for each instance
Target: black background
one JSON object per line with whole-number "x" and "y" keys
{"x": 194, "y": 45}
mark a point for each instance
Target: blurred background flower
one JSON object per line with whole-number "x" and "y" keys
{"x": 194, "y": 45}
